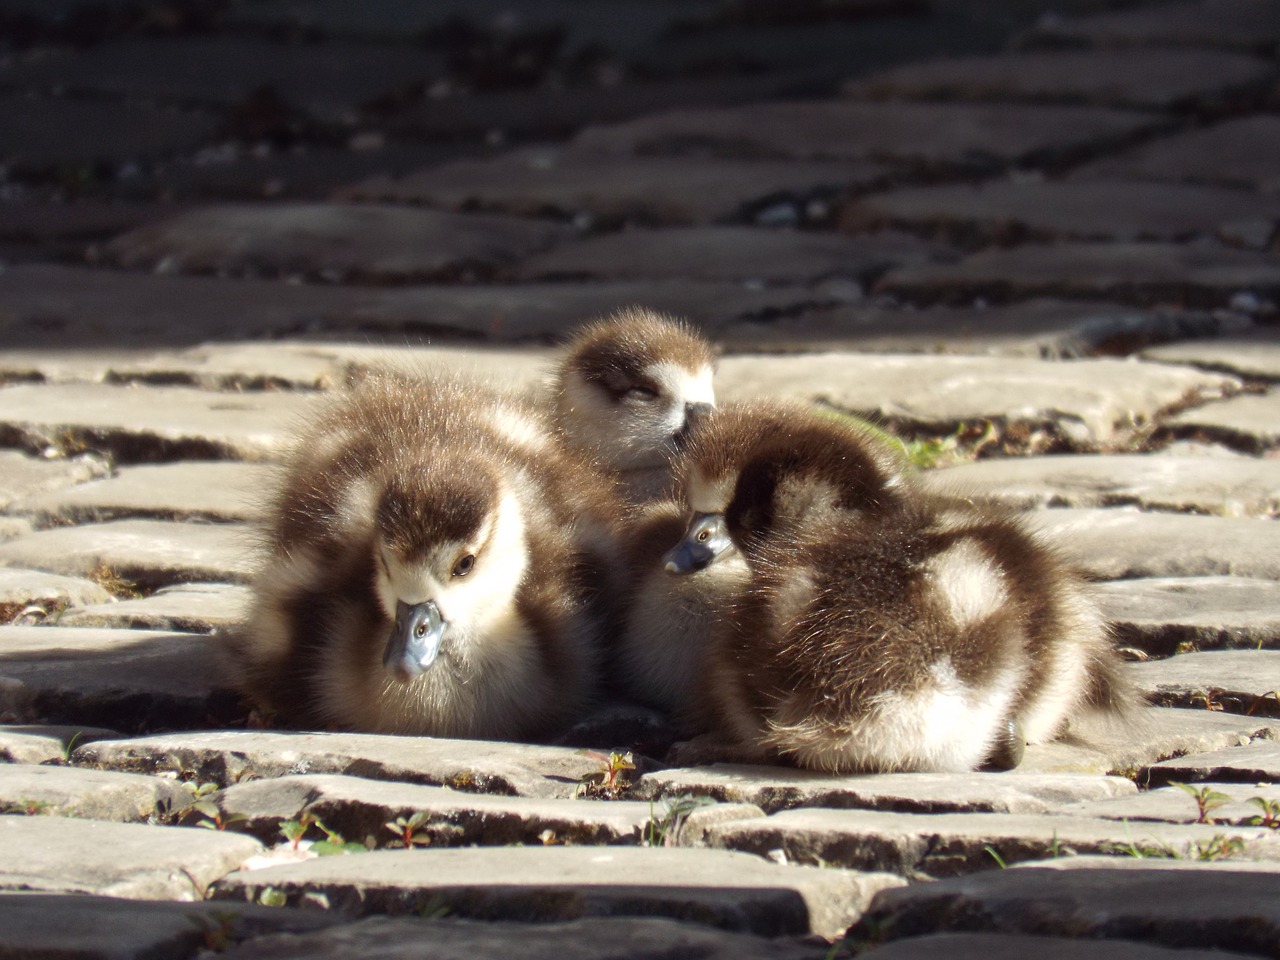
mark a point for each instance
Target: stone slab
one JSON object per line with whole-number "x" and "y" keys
{"x": 89, "y": 794}
{"x": 1163, "y": 615}
{"x": 206, "y": 490}
{"x": 1150, "y": 735}
{"x": 1253, "y": 354}
{"x": 1236, "y": 681}
{"x": 1120, "y": 543}
{"x": 947, "y": 135}
{"x": 1231, "y": 24}
{"x": 1218, "y": 486}
{"x": 184, "y": 608}
{"x": 1250, "y": 422}
{"x": 572, "y": 183}
{"x": 122, "y": 679}
{"x": 781, "y": 788}
{"x": 144, "y": 423}
{"x": 1257, "y": 762}
{"x": 940, "y": 845}
{"x": 359, "y": 808}
{"x": 110, "y": 308}
{"x": 1152, "y": 78}
{"x": 591, "y": 938}
{"x": 146, "y": 553}
{"x": 732, "y": 891}
{"x": 1138, "y": 273}
{"x": 24, "y": 476}
{"x": 1088, "y": 402}
{"x": 41, "y": 743}
{"x": 49, "y": 592}
{"x": 1221, "y": 906}
{"x": 1042, "y": 328}
{"x": 131, "y": 860}
{"x": 1174, "y": 805}
{"x": 339, "y": 243}
{"x": 728, "y": 253}
{"x": 1005, "y": 946}
{"x": 76, "y": 927}
{"x": 1234, "y": 153}
{"x": 1052, "y": 210}
{"x": 226, "y": 757}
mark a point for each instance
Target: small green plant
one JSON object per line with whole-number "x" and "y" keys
{"x": 272, "y": 897}
{"x": 1217, "y": 847}
{"x": 26, "y": 807}
{"x": 1270, "y": 816}
{"x": 69, "y": 747}
{"x": 408, "y": 830}
{"x": 608, "y": 781}
{"x": 995, "y": 855}
{"x": 212, "y": 815}
{"x": 332, "y": 844}
{"x": 436, "y": 908}
{"x": 664, "y": 830}
{"x": 1207, "y": 800}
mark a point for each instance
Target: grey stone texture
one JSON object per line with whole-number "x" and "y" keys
{"x": 131, "y": 860}
{"x": 1235, "y": 803}
{"x": 21, "y": 590}
{"x": 182, "y": 608}
{"x": 986, "y": 946}
{"x": 1228, "y": 24}
{"x": 337, "y": 243}
{"x": 1164, "y": 616}
{"x": 1247, "y": 422}
{"x": 1256, "y": 762}
{"x": 24, "y": 476}
{"x": 42, "y": 743}
{"x": 1240, "y": 681}
{"x": 1254, "y": 354}
{"x": 723, "y": 889}
{"x": 89, "y": 794}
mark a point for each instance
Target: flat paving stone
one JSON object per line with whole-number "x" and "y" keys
{"x": 1238, "y": 681}
{"x": 1049, "y": 210}
{"x": 1152, "y": 735}
{"x": 1160, "y": 615}
{"x": 357, "y": 808}
{"x": 568, "y": 182}
{"x": 1186, "y": 905}
{"x": 1231, "y": 24}
{"x": 125, "y": 309}
{"x": 946, "y": 135}
{"x": 121, "y": 679}
{"x": 148, "y": 553}
{"x": 1004, "y": 946}
{"x": 226, "y": 757}
{"x": 1120, "y": 543}
{"x": 1256, "y": 762}
{"x": 144, "y": 423}
{"x": 1139, "y": 273}
{"x": 1090, "y": 402}
{"x": 41, "y": 743}
{"x": 591, "y": 938}
{"x": 97, "y": 928}
{"x": 23, "y": 476}
{"x": 89, "y": 794}
{"x": 210, "y": 490}
{"x": 1234, "y": 153}
{"x": 1044, "y": 328}
{"x": 1219, "y": 486}
{"x": 1175, "y": 805}
{"x": 781, "y": 788}
{"x": 1255, "y": 354}
{"x": 184, "y": 608}
{"x": 334, "y": 242}
{"x": 51, "y": 592}
{"x": 1153, "y": 78}
{"x": 1249, "y": 422}
{"x": 939, "y": 845}
{"x": 728, "y": 253}
{"x": 732, "y": 891}
{"x": 131, "y": 860}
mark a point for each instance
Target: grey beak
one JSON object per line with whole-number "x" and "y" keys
{"x": 415, "y": 639}
{"x": 703, "y": 543}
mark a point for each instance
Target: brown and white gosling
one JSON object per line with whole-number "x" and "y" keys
{"x": 428, "y": 570}
{"x": 883, "y": 629}
{"x": 626, "y": 392}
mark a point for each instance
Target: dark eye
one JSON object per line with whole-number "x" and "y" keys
{"x": 704, "y": 536}
{"x": 420, "y": 631}
{"x": 464, "y": 565}
{"x": 643, "y": 394}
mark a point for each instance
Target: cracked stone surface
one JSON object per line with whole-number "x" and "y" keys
{"x": 1160, "y": 614}
{"x": 183, "y": 608}
{"x": 1242, "y": 681}
{"x": 1250, "y": 763}
{"x": 25, "y": 476}
{"x": 1248, "y": 422}
{"x": 89, "y": 794}
{"x": 1255, "y": 354}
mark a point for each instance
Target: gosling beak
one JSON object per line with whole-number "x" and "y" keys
{"x": 703, "y": 543}
{"x": 415, "y": 639}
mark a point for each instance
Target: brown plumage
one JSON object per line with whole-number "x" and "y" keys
{"x": 429, "y": 568}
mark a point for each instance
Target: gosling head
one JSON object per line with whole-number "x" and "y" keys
{"x": 630, "y": 389}
{"x": 449, "y": 556}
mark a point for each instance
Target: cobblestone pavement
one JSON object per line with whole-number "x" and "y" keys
{"x": 1041, "y": 246}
